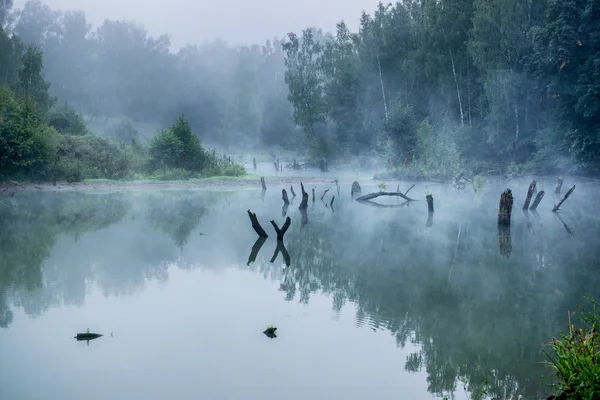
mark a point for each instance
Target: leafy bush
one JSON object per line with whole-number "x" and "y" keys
{"x": 165, "y": 150}
{"x": 232, "y": 170}
{"x": 66, "y": 121}
{"x": 576, "y": 359}
{"x": 70, "y": 170}
{"x": 99, "y": 158}
{"x": 174, "y": 174}
{"x": 400, "y": 133}
{"x": 124, "y": 131}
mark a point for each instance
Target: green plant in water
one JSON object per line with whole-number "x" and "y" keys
{"x": 381, "y": 186}
{"x": 478, "y": 182}
{"x": 576, "y": 358}
{"x": 270, "y": 331}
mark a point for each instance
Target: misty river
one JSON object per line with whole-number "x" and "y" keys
{"x": 376, "y": 301}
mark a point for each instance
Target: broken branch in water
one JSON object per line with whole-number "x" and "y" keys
{"x": 284, "y": 196}
{"x": 324, "y": 193}
{"x": 530, "y": 192}
{"x": 256, "y": 225}
{"x": 537, "y": 200}
{"x": 332, "y": 200}
{"x": 284, "y": 228}
{"x": 556, "y": 207}
{"x": 304, "y": 202}
{"x": 405, "y": 193}
{"x": 371, "y": 196}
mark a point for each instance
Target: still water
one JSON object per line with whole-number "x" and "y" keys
{"x": 376, "y": 301}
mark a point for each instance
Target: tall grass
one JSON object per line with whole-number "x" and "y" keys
{"x": 576, "y": 358}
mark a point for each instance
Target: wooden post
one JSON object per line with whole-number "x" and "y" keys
{"x": 429, "y": 199}
{"x": 304, "y": 203}
{"x": 505, "y": 208}
{"x": 559, "y": 182}
{"x": 284, "y": 196}
{"x": 556, "y": 207}
{"x": 292, "y": 191}
{"x": 530, "y": 192}
{"x": 263, "y": 183}
{"x": 256, "y": 225}
{"x": 537, "y": 200}
{"x": 313, "y": 192}
{"x": 355, "y": 188}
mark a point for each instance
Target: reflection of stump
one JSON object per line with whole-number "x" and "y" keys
{"x": 429, "y": 223}
{"x": 355, "y": 189}
{"x": 559, "y": 182}
{"x": 504, "y": 240}
{"x": 281, "y": 248}
{"x": 530, "y": 192}
{"x": 537, "y": 200}
{"x": 255, "y": 249}
{"x": 263, "y": 183}
{"x": 429, "y": 199}
{"x": 505, "y": 208}
{"x": 292, "y": 191}
{"x": 284, "y": 196}
{"x": 284, "y": 209}
{"x": 304, "y": 214}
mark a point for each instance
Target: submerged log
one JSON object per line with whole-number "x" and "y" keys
{"x": 284, "y": 196}
{"x": 530, "y": 192}
{"x": 284, "y": 228}
{"x": 263, "y": 183}
{"x": 559, "y": 182}
{"x": 505, "y": 208}
{"x": 371, "y": 196}
{"x": 355, "y": 189}
{"x": 324, "y": 193}
{"x": 256, "y": 225}
{"x": 537, "y": 200}
{"x": 429, "y": 199}
{"x": 556, "y": 207}
{"x": 304, "y": 202}
{"x": 292, "y": 191}
{"x": 255, "y": 249}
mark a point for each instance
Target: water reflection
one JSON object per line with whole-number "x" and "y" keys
{"x": 475, "y": 313}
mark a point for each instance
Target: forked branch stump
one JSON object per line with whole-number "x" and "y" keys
{"x": 256, "y": 225}
{"x": 284, "y": 228}
{"x": 505, "y": 208}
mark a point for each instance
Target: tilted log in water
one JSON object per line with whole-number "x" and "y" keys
{"x": 530, "y": 192}
{"x": 256, "y": 225}
{"x": 284, "y": 228}
{"x": 284, "y": 196}
{"x": 371, "y": 196}
{"x": 537, "y": 200}
{"x": 556, "y": 207}
{"x": 505, "y": 208}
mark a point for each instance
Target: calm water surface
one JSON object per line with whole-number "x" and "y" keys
{"x": 376, "y": 301}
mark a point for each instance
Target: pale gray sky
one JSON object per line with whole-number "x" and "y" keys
{"x": 237, "y": 21}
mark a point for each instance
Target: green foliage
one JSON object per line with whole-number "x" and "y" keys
{"x": 96, "y": 156}
{"x": 124, "y": 131}
{"x": 70, "y": 170}
{"x": 67, "y": 121}
{"x": 381, "y": 186}
{"x": 165, "y": 150}
{"x": 31, "y": 82}
{"x": 478, "y": 182}
{"x": 178, "y": 147}
{"x": 27, "y": 145}
{"x": 576, "y": 358}
{"x": 400, "y": 128}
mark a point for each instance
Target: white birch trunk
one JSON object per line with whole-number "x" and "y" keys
{"x": 462, "y": 114}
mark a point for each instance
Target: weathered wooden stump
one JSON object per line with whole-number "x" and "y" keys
{"x": 355, "y": 189}
{"x": 530, "y": 192}
{"x": 429, "y": 199}
{"x": 263, "y": 183}
{"x": 256, "y": 225}
{"x": 284, "y": 196}
{"x": 559, "y": 182}
{"x": 304, "y": 202}
{"x": 537, "y": 200}
{"x": 284, "y": 228}
{"x": 505, "y": 208}
{"x": 313, "y": 195}
{"x": 556, "y": 207}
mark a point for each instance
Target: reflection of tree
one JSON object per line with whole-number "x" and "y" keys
{"x": 486, "y": 321}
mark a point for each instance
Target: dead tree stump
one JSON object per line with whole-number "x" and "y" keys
{"x": 429, "y": 199}
{"x": 559, "y": 182}
{"x": 505, "y": 208}
{"x": 556, "y": 207}
{"x": 284, "y": 196}
{"x": 332, "y": 200}
{"x": 292, "y": 191}
{"x": 263, "y": 183}
{"x": 324, "y": 193}
{"x": 284, "y": 228}
{"x": 256, "y": 225}
{"x": 313, "y": 197}
{"x": 537, "y": 200}
{"x": 304, "y": 202}
{"x": 530, "y": 193}
{"x": 355, "y": 189}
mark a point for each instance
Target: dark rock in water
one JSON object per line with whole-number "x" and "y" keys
{"x": 270, "y": 332}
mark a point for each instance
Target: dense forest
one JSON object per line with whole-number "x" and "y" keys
{"x": 423, "y": 88}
